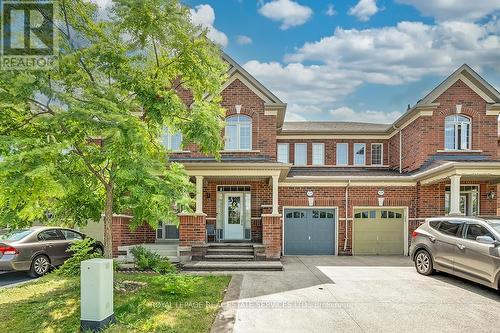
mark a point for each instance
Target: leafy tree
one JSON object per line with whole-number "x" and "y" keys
{"x": 83, "y": 139}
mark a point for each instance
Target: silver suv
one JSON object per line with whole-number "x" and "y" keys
{"x": 468, "y": 247}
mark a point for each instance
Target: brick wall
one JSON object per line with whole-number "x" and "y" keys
{"x": 263, "y": 127}
{"x": 425, "y": 136}
{"x": 122, "y": 235}
{"x": 272, "y": 232}
{"x": 331, "y": 149}
{"x": 192, "y": 230}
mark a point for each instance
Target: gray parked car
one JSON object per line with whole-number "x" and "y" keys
{"x": 468, "y": 247}
{"x": 37, "y": 249}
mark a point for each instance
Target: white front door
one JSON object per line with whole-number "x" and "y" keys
{"x": 233, "y": 216}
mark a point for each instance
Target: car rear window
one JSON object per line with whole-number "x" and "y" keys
{"x": 51, "y": 234}
{"x": 434, "y": 224}
{"x": 15, "y": 235}
{"x": 450, "y": 227}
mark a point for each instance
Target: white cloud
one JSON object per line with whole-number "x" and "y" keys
{"x": 243, "y": 40}
{"x": 345, "y": 113}
{"x": 288, "y": 12}
{"x": 204, "y": 15}
{"x": 456, "y": 9}
{"x": 321, "y": 74}
{"x": 364, "y": 10}
{"x": 330, "y": 11}
{"x": 405, "y": 52}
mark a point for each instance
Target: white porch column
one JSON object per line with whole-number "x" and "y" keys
{"x": 455, "y": 195}
{"x": 275, "y": 195}
{"x": 199, "y": 194}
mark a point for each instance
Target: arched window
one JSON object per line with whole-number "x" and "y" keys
{"x": 457, "y": 133}
{"x": 238, "y": 133}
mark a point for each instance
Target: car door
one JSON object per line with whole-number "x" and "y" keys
{"x": 70, "y": 236}
{"x": 446, "y": 241}
{"x": 476, "y": 260}
{"x": 54, "y": 245}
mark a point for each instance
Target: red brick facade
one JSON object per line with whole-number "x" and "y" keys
{"x": 424, "y": 137}
{"x": 192, "y": 230}
{"x": 122, "y": 235}
{"x": 272, "y": 231}
{"x": 422, "y": 141}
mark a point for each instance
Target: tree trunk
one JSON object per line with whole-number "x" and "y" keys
{"x": 108, "y": 223}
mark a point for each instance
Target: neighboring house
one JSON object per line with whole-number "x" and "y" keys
{"x": 336, "y": 187}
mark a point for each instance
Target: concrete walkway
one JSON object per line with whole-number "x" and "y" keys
{"x": 356, "y": 294}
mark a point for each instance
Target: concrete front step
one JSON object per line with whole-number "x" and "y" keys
{"x": 233, "y": 266}
{"x": 229, "y": 251}
{"x": 229, "y": 257}
{"x": 231, "y": 244}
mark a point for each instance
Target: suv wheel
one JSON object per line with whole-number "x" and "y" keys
{"x": 423, "y": 263}
{"x": 39, "y": 266}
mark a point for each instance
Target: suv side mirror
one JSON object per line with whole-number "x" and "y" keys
{"x": 486, "y": 240}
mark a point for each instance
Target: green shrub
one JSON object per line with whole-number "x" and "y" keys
{"x": 145, "y": 259}
{"x": 164, "y": 266}
{"x": 81, "y": 250}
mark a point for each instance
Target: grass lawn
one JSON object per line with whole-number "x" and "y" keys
{"x": 178, "y": 303}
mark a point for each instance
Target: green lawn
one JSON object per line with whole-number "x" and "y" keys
{"x": 179, "y": 303}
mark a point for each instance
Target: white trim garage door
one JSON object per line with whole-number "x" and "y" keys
{"x": 310, "y": 231}
{"x": 378, "y": 231}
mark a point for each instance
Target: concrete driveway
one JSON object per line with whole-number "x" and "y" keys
{"x": 357, "y": 294}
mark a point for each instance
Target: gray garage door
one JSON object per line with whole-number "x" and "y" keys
{"x": 309, "y": 231}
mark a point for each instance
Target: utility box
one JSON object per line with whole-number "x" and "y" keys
{"x": 96, "y": 294}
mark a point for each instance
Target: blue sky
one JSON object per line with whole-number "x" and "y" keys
{"x": 361, "y": 60}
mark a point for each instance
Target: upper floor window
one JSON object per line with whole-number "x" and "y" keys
{"x": 171, "y": 141}
{"x": 318, "y": 153}
{"x": 238, "y": 133}
{"x": 377, "y": 154}
{"x": 359, "y": 154}
{"x": 457, "y": 132}
{"x": 342, "y": 154}
{"x": 300, "y": 154}
{"x": 283, "y": 153}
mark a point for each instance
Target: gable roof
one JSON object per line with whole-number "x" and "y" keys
{"x": 472, "y": 79}
{"x": 235, "y": 67}
{"x": 271, "y": 102}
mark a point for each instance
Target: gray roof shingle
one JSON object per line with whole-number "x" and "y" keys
{"x": 333, "y": 127}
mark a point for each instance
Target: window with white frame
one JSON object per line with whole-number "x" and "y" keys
{"x": 238, "y": 134}
{"x": 283, "y": 151}
{"x": 318, "y": 154}
{"x": 377, "y": 154}
{"x": 171, "y": 141}
{"x": 359, "y": 154}
{"x": 457, "y": 132}
{"x": 166, "y": 231}
{"x": 300, "y": 156}
{"x": 342, "y": 154}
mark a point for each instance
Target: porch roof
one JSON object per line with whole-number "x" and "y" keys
{"x": 432, "y": 173}
{"x": 238, "y": 169}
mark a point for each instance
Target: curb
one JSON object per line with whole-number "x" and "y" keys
{"x": 226, "y": 317}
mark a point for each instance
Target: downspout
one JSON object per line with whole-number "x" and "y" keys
{"x": 346, "y": 214}
{"x": 400, "y": 148}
